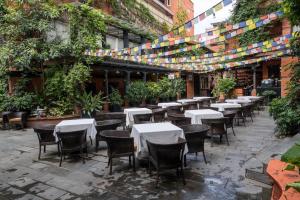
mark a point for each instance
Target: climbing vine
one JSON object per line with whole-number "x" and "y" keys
{"x": 249, "y": 9}
{"x": 32, "y": 44}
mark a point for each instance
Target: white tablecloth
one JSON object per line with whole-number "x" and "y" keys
{"x": 168, "y": 104}
{"x": 134, "y": 111}
{"x": 161, "y": 133}
{"x": 201, "y": 98}
{"x": 248, "y": 97}
{"x": 238, "y": 101}
{"x": 76, "y": 125}
{"x": 197, "y": 115}
{"x": 183, "y": 101}
{"x": 222, "y": 106}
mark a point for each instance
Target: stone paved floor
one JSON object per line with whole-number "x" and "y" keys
{"x": 24, "y": 177}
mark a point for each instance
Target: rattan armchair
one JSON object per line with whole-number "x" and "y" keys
{"x": 72, "y": 141}
{"x": 195, "y": 135}
{"x": 112, "y": 124}
{"x": 119, "y": 144}
{"x": 217, "y": 128}
{"x": 166, "y": 157}
{"x": 45, "y": 137}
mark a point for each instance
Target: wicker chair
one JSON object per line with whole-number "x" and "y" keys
{"x": 174, "y": 109}
{"x": 195, "y": 135}
{"x": 150, "y": 106}
{"x": 142, "y": 118}
{"x": 166, "y": 157}
{"x": 193, "y": 106}
{"x": 4, "y": 119}
{"x": 179, "y": 119}
{"x": 112, "y": 124}
{"x": 17, "y": 118}
{"x": 159, "y": 115}
{"x": 217, "y": 128}
{"x": 238, "y": 116}
{"x": 247, "y": 110}
{"x": 46, "y": 137}
{"x": 119, "y": 144}
{"x": 230, "y": 115}
{"x": 100, "y": 116}
{"x": 185, "y": 107}
{"x": 205, "y": 102}
{"x": 72, "y": 141}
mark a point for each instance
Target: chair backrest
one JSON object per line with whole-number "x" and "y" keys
{"x": 213, "y": 108}
{"x": 108, "y": 125}
{"x": 159, "y": 115}
{"x": 230, "y": 115}
{"x": 213, "y": 99}
{"x": 174, "y": 109}
{"x": 100, "y": 116}
{"x": 71, "y": 139}
{"x": 205, "y": 102}
{"x": 179, "y": 119}
{"x": 118, "y": 142}
{"x": 45, "y": 133}
{"x": 185, "y": 106}
{"x": 217, "y": 126}
{"x": 193, "y": 106}
{"x": 150, "y": 106}
{"x": 195, "y": 135}
{"x": 167, "y": 155}
{"x": 142, "y": 118}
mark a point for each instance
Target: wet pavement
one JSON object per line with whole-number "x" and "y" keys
{"x": 23, "y": 176}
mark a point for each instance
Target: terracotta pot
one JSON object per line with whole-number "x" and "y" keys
{"x": 106, "y": 107}
{"x": 222, "y": 97}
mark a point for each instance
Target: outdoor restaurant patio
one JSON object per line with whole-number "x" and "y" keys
{"x": 24, "y": 176}
{"x": 139, "y": 99}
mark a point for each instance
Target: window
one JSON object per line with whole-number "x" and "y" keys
{"x": 168, "y": 2}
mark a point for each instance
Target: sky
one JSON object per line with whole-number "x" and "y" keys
{"x": 201, "y": 6}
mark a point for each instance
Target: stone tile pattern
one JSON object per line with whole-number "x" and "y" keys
{"x": 24, "y": 177}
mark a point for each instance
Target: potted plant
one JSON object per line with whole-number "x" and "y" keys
{"x": 136, "y": 93}
{"x": 154, "y": 90}
{"x": 115, "y": 100}
{"x": 90, "y": 104}
{"x": 224, "y": 88}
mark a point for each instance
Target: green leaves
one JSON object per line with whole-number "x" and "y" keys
{"x": 295, "y": 185}
{"x": 137, "y": 92}
{"x": 115, "y": 97}
{"x": 224, "y": 85}
{"x": 289, "y": 167}
{"x": 90, "y": 103}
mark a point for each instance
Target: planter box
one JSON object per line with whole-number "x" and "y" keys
{"x": 35, "y": 122}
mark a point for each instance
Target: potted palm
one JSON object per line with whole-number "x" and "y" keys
{"x": 90, "y": 104}
{"x": 115, "y": 100}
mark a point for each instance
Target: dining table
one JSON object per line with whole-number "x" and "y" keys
{"x": 223, "y": 106}
{"x": 197, "y": 115}
{"x": 184, "y": 101}
{"x": 134, "y": 111}
{"x": 160, "y": 133}
{"x": 239, "y": 101}
{"x": 77, "y": 125}
{"x": 168, "y": 104}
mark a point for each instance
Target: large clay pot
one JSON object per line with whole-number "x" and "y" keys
{"x": 106, "y": 107}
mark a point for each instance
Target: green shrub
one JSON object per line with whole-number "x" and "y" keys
{"x": 286, "y": 117}
{"x": 154, "y": 90}
{"x": 25, "y": 102}
{"x": 137, "y": 92}
{"x": 292, "y": 155}
{"x": 90, "y": 103}
{"x": 171, "y": 87}
{"x": 225, "y": 86}
{"x": 115, "y": 97}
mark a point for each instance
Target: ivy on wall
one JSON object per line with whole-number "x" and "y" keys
{"x": 31, "y": 43}
{"x": 247, "y": 9}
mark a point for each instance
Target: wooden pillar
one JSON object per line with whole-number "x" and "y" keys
{"x": 127, "y": 79}
{"x": 253, "y": 92}
{"x": 145, "y": 76}
{"x": 106, "y": 82}
{"x": 125, "y": 39}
